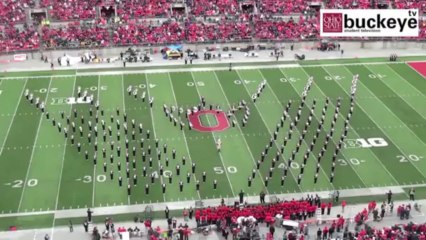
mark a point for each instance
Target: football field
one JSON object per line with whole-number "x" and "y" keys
{"x": 41, "y": 170}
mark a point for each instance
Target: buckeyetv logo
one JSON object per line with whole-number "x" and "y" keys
{"x": 369, "y": 23}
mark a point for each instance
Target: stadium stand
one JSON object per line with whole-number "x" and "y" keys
{"x": 15, "y": 39}
{"x": 142, "y": 22}
{"x": 12, "y": 11}
{"x": 75, "y": 35}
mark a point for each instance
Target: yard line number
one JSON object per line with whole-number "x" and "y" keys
{"x": 333, "y": 78}
{"x": 289, "y": 80}
{"x": 374, "y": 76}
{"x": 220, "y": 170}
{"x": 409, "y": 158}
{"x": 88, "y": 179}
{"x": 20, "y": 183}
{"x": 199, "y": 84}
{"x": 352, "y": 161}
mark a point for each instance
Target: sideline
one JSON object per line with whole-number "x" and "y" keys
{"x": 198, "y": 69}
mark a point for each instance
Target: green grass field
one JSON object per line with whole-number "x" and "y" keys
{"x": 42, "y": 171}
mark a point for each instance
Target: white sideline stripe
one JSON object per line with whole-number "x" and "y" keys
{"x": 200, "y": 69}
{"x": 138, "y": 208}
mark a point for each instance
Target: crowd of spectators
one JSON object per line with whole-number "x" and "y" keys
{"x": 231, "y": 22}
{"x": 349, "y": 4}
{"x": 13, "y": 11}
{"x": 281, "y": 30}
{"x": 128, "y": 9}
{"x": 66, "y": 10}
{"x": 145, "y": 32}
{"x": 294, "y": 210}
{"x": 212, "y": 8}
{"x": 284, "y": 7}
{"x": 75, "y": 35}
{"x": 14, "y": 39}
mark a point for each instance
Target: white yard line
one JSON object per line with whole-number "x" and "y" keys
{"x": 62, "y": 166}
{"x": 33, "y": 150}
{"x": 214, "y": 139}
{"x": 241, "y": 132}
{"x": 266, "y": 126}
{"x": 13, "y": 118}
{"x": 153, "y": 128}
{"x": 211, "y": 68}
{"x": 123, "y": 92}
{"x": 356, "y": 133}
{"x": 94, "y": 167}
{"x": 378, "y": 125}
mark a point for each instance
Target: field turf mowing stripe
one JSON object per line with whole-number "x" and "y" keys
{"x": 271, "y": 107}
{"x": 411, "y": 76}
{"x": 14, "y": 161}
{"x": 44, "y": 173}
{"x": 77, "y": 179}
{"x": 360, "y": 160}
{"x": 235, "y": 152}
{"x": 106, "y": 191}
{"x": 160, "y": 86}
{"x": 397, "y": 106}
{"x": 11, "y": 93}
{"x": 138, "y": 110}
{"x": 256, "y": 129}
{"x": 203, "y": 148}
{"x": 367, "y": 114}
{"x": 401, "y": 88}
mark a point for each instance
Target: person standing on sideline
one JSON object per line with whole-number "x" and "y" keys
{"x": 241, "y": 195}
{"x": 262, "y": 197}
{"x": 343, "y": 205}
{"x": 167, "y": 212}
{"x": 89, "y": 215}
{"x": 185, "y": 215}
{"x": 86, "y": 226}
{"x": 389, "y": 194}
{"x": 337, "y": 195}
{"x": 191, "y": 212}
{"x": 71, "y": 226}
{"x": 412, "y": 192}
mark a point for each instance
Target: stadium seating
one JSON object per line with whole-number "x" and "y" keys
{"x": 14, "y": 39}
{"x": 281, "y": 30}
{"x": 75, "y": 35}
{"x": 212, "y": 8}
{"x": 132, "y": 33}
{"x": 128, "y": 9}
{"x": 349, "y": 4}
{"x": 12, "y": 11}
{"x": 283, "y": 7}
{"x": 65, "y": 10}
{"x": 140, "y": 22}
